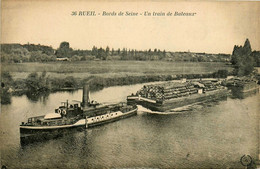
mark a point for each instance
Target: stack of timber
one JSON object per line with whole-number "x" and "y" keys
{"x": 162, "y": 97}
{"x": 167, "y": 91}
{"x": 246, "y": 84}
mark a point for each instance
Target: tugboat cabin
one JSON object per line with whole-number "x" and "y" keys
{"x": 69, "y": 110}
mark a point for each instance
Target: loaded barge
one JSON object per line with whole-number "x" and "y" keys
{"x": 242, "y": 87}
{"x": 83, "y": 114}
{"x": 171, "y": 95}
{"x": 244, "y": 83}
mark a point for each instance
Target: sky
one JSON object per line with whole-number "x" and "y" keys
{"x": 215, "y": 28}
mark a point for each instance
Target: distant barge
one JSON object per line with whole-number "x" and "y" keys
{"x": 73, "y": 115}
{"x": 243, "y": 86}
{"x": 171, "y": 95}
{"x": 244, "y": 83}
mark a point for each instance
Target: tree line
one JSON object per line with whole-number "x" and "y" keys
{"x": 40, "y": 53}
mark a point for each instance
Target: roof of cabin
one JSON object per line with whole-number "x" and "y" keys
{"x": 52, "y": 116}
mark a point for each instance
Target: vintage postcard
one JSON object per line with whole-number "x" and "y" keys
{"x": 130, "y": 84}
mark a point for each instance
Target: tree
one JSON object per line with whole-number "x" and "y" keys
{"x": 164, "y": 53}
{"x": 64, "y": 50}
{"x": 132, "y": 53}
{"x": 101, "y": 54}
{"x": 6, "y": 79}
{"x": 6, "y": 82}
{"x": 124, "y": 54}
{"x": 45, "y": 49}
{"x": 76, "y": 58}
{"x": 107, "y": 51}
{"x": 5, "y": 57}
{"x": 247, "y": 48}
{"x": 242, "y": 59}
{"x": 112, "y": 52}
{"x": 19, "y": 54}
{"x": 129, "y": 53}
{"x": 94, "y": 51}
{"x": 37, "y": 83}
{"x": 256, "y": 56}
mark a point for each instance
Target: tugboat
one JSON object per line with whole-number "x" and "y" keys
{"x": 76, "y": 115}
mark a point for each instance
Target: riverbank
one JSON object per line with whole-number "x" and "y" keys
{"x": 37, "y": 85}
{"x": 34, "y": 79}
{"x": 106, "y": 69}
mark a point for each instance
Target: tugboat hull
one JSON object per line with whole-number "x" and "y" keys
{"x": 107, "y": 118}
{"x": 37, "y": 133}
{"x": 49, "y": 128}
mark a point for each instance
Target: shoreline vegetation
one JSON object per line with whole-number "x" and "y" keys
{"x": 37, "y": 85}
{"x": 20, "y": 53}
{"x": 37, "y": 70}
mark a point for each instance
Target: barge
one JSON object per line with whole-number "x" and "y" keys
{"x": 242, "y": 87}
{"x": 83, "y": 114}
{"x": 171, "y": 95}
{"x": 245, "y": 84}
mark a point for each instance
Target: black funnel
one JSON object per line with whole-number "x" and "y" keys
{"x": 85, "y": 98}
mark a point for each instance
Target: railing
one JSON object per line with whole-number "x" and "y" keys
{"x": 35, "y": 121}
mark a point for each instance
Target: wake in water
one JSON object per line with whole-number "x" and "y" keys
{"x": 145, "y": 110}
{"x": 179, "y": 110}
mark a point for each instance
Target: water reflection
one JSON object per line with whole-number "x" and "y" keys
{"x": 35, "y": 97}
{"x": 5, "y": 98}
{"x": 238, "y": 93}
{"x": 44, "y": 136}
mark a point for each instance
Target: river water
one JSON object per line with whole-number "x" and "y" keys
{"x": 209, "y": 135}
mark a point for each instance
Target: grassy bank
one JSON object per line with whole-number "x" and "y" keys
{"x": 39, "y": 78}
{"x": 106, "y": 69}
{"x": 37, "y": 85}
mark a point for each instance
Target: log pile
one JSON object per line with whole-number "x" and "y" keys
{"x": 242, "y": 82}
{"x": 167, "y": 91}
{"x": 211, "y": 86}
{"x": 175, "y": 90}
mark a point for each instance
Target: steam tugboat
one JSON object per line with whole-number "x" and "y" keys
{"x": 84, "y": 115}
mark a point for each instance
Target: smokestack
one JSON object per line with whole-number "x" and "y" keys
{"x": 85, "y": 98}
